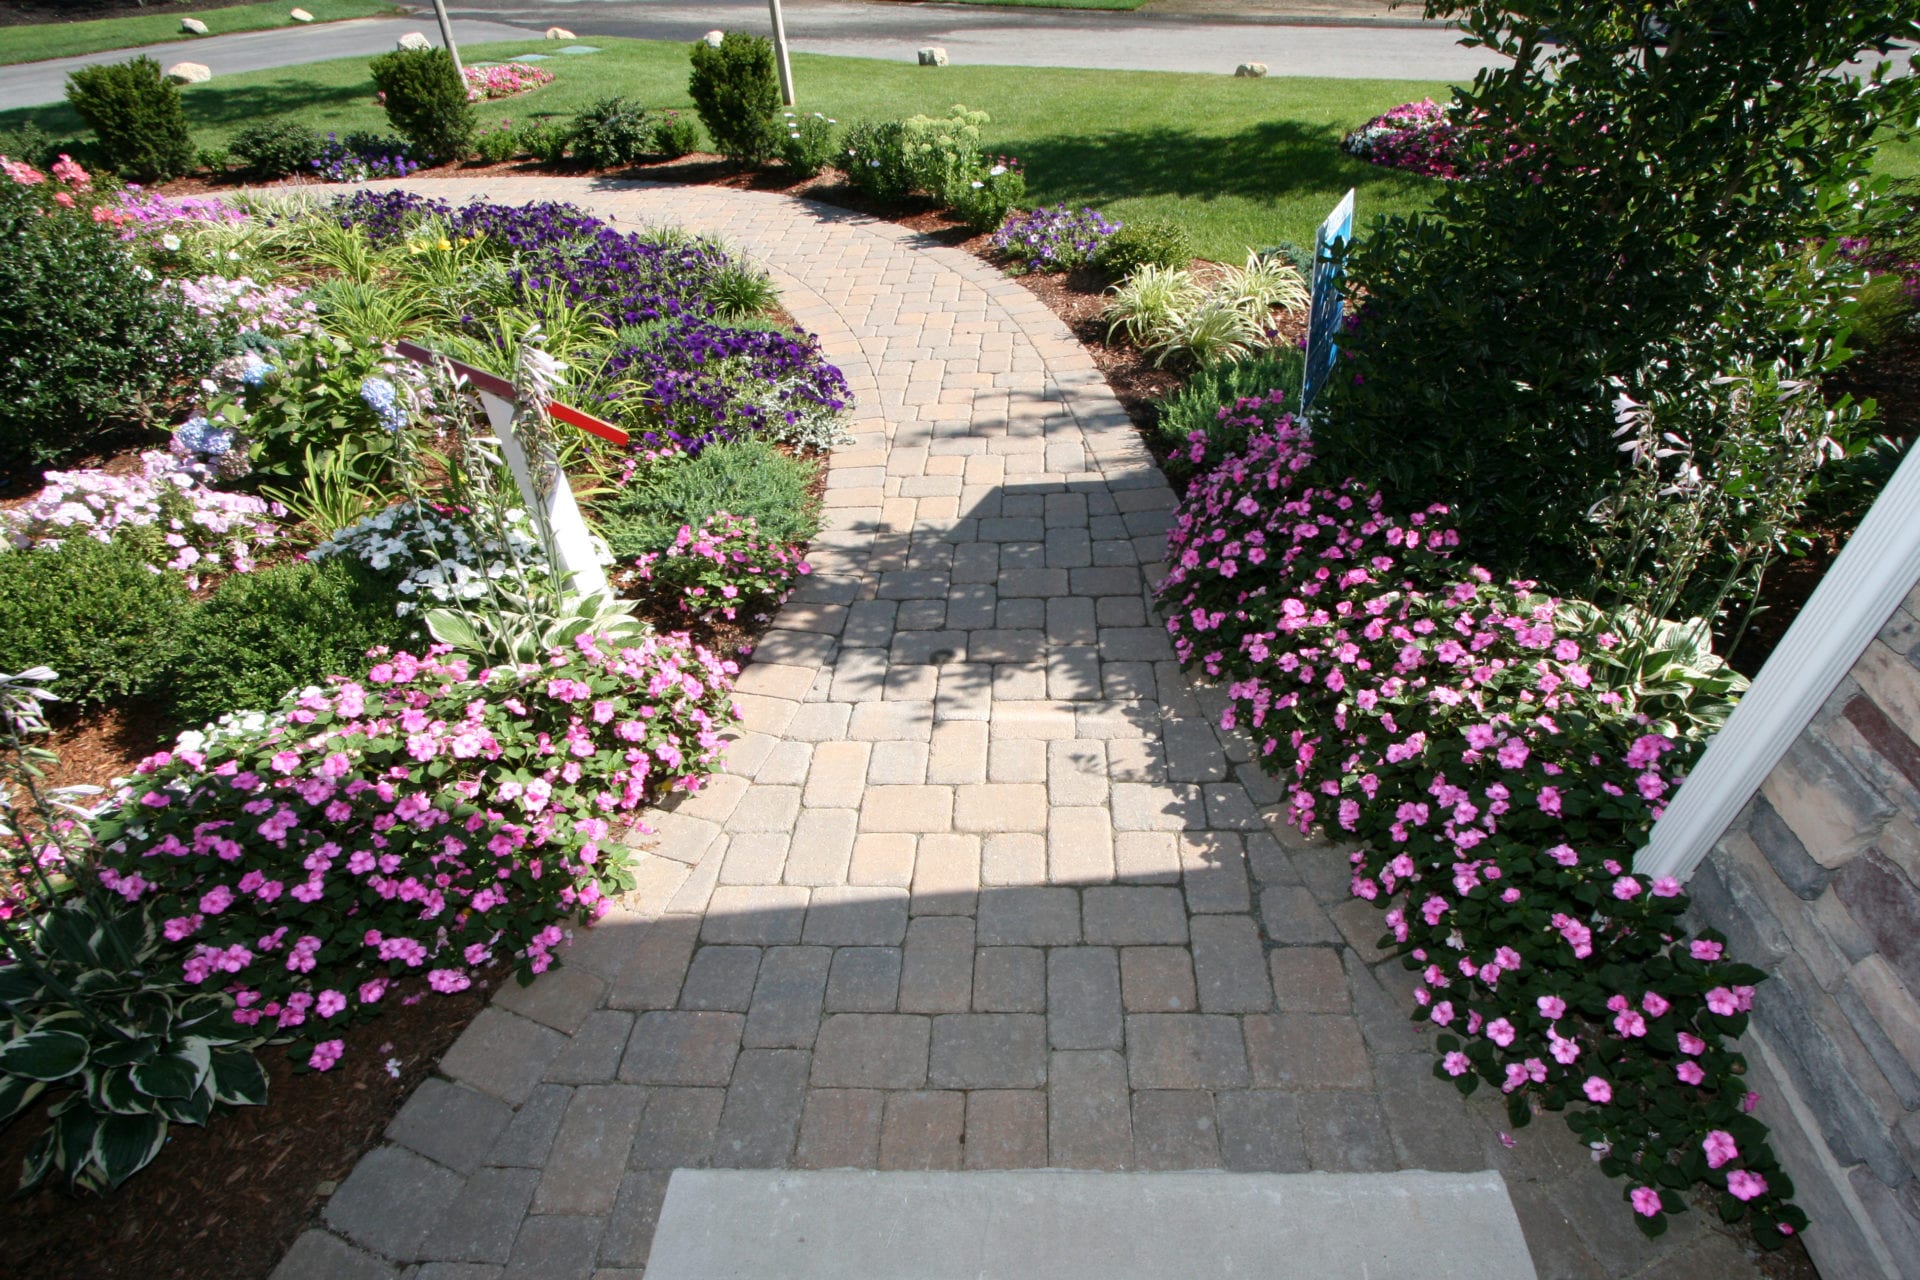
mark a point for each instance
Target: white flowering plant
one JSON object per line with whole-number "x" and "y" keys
{"x": 438, "y": 555}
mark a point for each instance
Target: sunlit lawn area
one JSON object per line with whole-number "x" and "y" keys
{"x": 70, "y": 39}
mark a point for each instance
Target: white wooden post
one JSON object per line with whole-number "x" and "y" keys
{"x": 780, "y": 51}
{"x": 573, "y": 547}
{"x": 446, "y": 36}
{"x": 1872, "y": 573}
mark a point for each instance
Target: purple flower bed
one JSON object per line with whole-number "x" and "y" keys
{"x": 1055, "y": 239}
{"x": 1415, "y": 136}
{"x": 621, "y": 277}
{"x": 693, "y": 371}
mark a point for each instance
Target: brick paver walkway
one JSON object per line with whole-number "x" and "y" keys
{"x": 981, "y": 886}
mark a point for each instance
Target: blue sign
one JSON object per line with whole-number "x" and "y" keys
{"x": 1323, "y": 313}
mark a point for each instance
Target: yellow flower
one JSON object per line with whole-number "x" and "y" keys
{"x": 445, "y": 244}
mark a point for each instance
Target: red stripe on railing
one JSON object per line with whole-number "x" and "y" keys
{"x": 496, "y": 385}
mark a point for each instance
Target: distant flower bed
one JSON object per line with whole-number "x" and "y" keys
{"x": 503, "y": 81}
{"x": 1415, "y": 136}
{"x": 1055, "y": 239}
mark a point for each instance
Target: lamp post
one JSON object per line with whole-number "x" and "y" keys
{"x": 779, "y": 50}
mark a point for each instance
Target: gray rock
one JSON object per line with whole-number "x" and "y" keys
{"x": 413, "y": 40}
{"x": 1250, "y": 70}
{"x": 933, "y": 56}
{"x": 193, "y": 26}
{"x": 300, "y": 15}
{"x": 189, "y": 73}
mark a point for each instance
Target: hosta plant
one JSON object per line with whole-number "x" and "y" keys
{"x": 88, "y": 1017}
{"x": 1478, "y": 743}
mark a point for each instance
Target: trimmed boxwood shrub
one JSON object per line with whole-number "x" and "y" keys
{"x": 135, "y": 112}
{"x": 94, "y": 612}
{"x": 426, "y": 100}
{"x": 276, "y": 148}
{"x": 737, "y": 92}
{"x": 262, "y": 634}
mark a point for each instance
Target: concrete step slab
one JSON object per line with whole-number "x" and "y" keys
{"x": 1070, "y": 1225}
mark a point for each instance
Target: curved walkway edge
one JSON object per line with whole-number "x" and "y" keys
{"x": 981, "y": 887}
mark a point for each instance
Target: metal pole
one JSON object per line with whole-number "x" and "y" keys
{"x": 446, "y": 37}
{"x": 779, "y": 51}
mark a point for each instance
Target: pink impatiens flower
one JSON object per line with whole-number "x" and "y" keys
{"x": 1598, "y": 1091}
{"x": 1720, "y": 1148}
{"x": 1646, "y": 1201}
{"x": 1742, "y": 1185}
{"x": 325, "y": 1054}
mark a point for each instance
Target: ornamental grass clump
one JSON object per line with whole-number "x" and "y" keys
{"x": 427, "y": 821}
{"x": 1498, "y": 766}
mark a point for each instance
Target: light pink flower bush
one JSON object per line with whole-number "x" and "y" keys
{"x": 201, "y": 532}
{"x": 1415, "y": 136}
{"x": 429, "y": 821}
{"x": 1458, "y": 730}
{"x": 724, "y": 569}
{"x": 503, "y": 81}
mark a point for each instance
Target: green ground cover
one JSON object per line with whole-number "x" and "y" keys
{"x": 70, "y": 39}
{"x": 1240, "y": 162}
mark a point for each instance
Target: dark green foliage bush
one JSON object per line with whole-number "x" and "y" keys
{"x": 613, "y": 131}
{"x": 87, "y": 342}
{"x": 30, "y": 144}
{"x": 545, "y": 140}
{"x": 1142, "y": 242}
{"x": 1886, "y": 310}
{"x": 737, "y": 92}
{"x": 276, "y": 148}
{"x": 1198, "y": 405}
{"x": 743, "y": 477}
{"x": 805, "y": 143}
{"x": 426, "y": 100}
{"x": 1635, "y": 180}
{"x": 94, "y": 612}
{"x": 675, "y": 135}
{"x": 263, "y": 633}
{"x": 135, "y": 113}
{"x": 497, "y": 145}
{"x": 876, "y": 160}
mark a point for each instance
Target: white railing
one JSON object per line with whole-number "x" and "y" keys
{"x": 1859, "y": 592}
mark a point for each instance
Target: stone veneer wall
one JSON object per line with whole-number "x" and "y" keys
{"x": 1818, "y": 882}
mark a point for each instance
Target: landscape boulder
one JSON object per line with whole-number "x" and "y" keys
{"x": 559, "y": 33}
{"x": 193, "y": 26}
{"x": 413, "y": 40}
{"x": 713, "y": 38}
{"x": 1250, "y": 70}
{"x": 300, "y": 15}
{"x": 189, "y": 73}
{"x": 933, "y": 56}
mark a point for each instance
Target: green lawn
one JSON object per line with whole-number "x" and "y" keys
{"x": 1241, "y": 162}
{"x": 68, "y": 39}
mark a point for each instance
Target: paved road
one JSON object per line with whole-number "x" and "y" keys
{"x": 970, "y": 34}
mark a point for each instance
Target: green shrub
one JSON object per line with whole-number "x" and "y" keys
{"x": 87, "y": 342}
{"x": 545, "y": 140}
{"x": 613, "y": 131}
{"x": 30, "y": 144}
{"x": 276, "y": 148}
{"x": 985, "y": 201}
{"x": 497, "y": 145}
{"x": 135, "y": 112}
{"x": 806, "y": 143}
{"x": 261, "y": 634}
{"x": 1621, "y": 235}
{"x": 736, "y": 91}
{"x": 1145, "y": 242}
{"x": 93, "y": 612}
{"x": 876, "y": 162}
{"x": 743, "y": 477}
{"x": 426, "y": 100}
{"x": 675, "y": 135}
{"x": 943, "y": 152}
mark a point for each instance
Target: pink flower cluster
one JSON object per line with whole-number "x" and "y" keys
{"x": 724, "y": 569}
{"x": 1456, "y": 729}
{"x": 71, "y": 182}
{"x": 503, "y": 81}
{"x": 204, "y": 532}
{"x": 429, "y": 820}
{"x": 250, "y": 306}
{"x": 1415, "y": 136}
